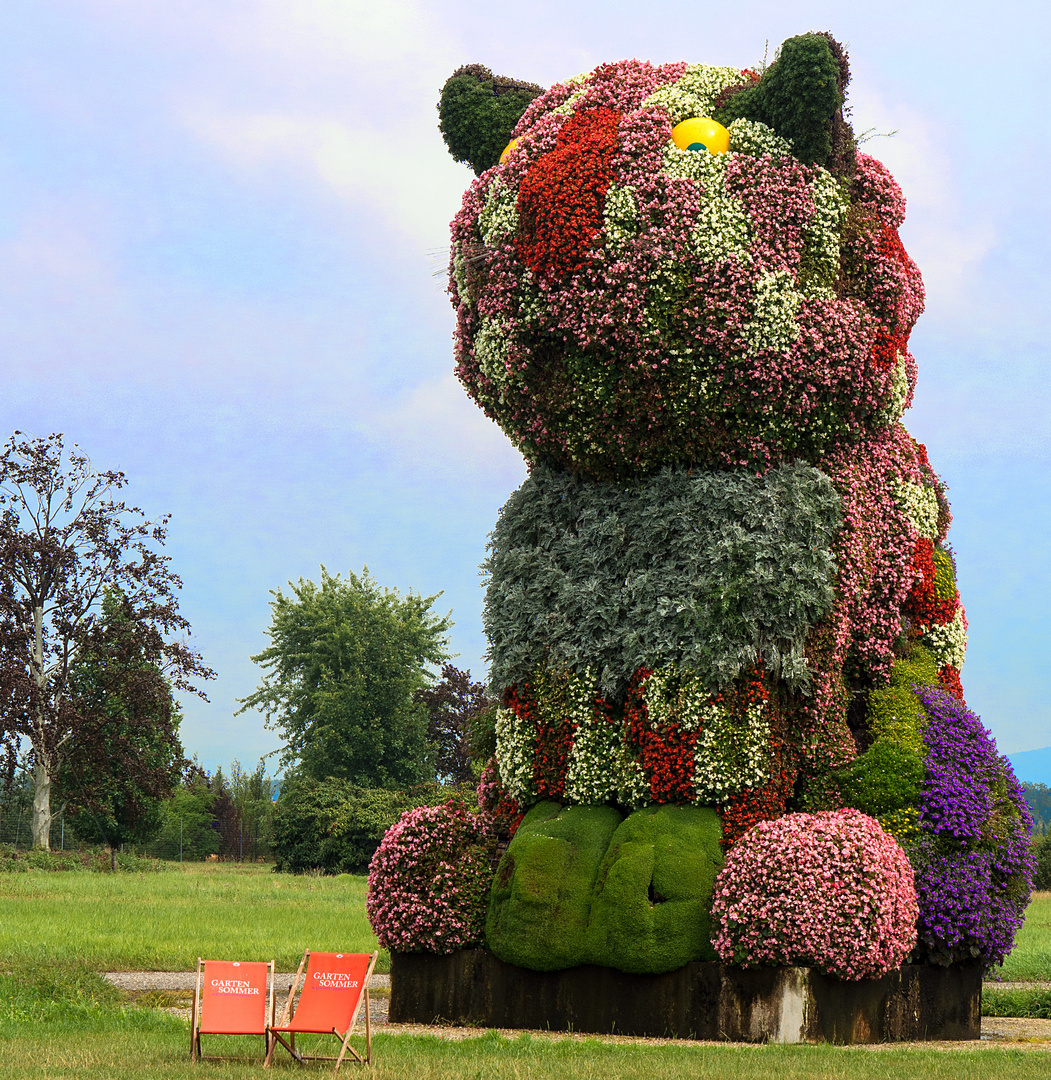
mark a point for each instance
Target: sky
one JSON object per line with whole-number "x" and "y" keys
{"x": 223, "y": 231}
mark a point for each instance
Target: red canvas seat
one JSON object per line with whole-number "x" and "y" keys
{"x": 334, "y": 987}
{"x": 232, "y": 997}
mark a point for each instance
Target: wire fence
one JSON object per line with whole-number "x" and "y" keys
{"x": 237, "y": 840}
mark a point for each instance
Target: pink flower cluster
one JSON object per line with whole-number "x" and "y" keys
{"x": 874, "y": 570}
{"x": 429, "y": 881}
{"x": 829, "y": 890}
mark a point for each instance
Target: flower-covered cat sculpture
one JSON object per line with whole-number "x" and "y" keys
{"x": 724, "y": 593}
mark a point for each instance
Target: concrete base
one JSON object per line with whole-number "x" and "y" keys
{"x": 699, "y": 1001}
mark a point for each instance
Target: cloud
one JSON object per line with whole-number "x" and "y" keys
{"x": 438, "y": 431}
{"x": 415, "y": 191}
{"x": 332, "y": 93}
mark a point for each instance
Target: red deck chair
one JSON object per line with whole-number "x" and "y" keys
{"x": 334, "y": 987}
{"x": 232, "y": 998}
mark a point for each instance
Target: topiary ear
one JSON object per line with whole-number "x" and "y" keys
{"x": 801, "y": 97}
{"x": 478, "y": 111}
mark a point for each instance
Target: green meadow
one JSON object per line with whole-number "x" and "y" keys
{"x": 58, "y": 1018}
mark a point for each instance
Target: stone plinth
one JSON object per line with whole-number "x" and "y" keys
{"x": 699, "y": 1001}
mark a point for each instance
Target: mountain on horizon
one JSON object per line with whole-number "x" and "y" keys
{"x": 1032, "y": 766}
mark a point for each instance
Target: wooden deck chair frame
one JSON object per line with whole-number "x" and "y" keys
{"x": 278, "y": 1032}
{"x": 197, "y": 1014}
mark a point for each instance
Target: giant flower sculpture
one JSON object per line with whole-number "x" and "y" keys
{"x": 725, "y": 591}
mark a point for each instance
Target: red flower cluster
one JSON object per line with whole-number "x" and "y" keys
{"x": 553, "y": 739}
{"x": 666, "y": 756}
{"x": 750, "y": 807}
{"x": 923, "y": 606}
{"x": 561, "y": 199}
{"x": 666, "y": 753}
{"x": 949, "y": 677}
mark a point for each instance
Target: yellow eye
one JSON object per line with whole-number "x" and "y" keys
{"x": 507, "y": 150}
{"x": 700, "y": 133}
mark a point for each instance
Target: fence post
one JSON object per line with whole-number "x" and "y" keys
{"x": 180, "y": 839}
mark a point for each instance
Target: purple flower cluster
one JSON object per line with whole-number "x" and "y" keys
{"x": 973, "y": 859}
{"x": 429, "y": 881}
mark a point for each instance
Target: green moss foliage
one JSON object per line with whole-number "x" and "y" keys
{"x": 886, "y": 778}
{"x": 705, "y": 571}
{"x": 477, "y": 112}
{"x": 799, "y": 97}
{"x": 541, "y": 897}
{"x": 651, "y": 910}
{"x": 944, "y": 573}
{"x": 895, "y": 715}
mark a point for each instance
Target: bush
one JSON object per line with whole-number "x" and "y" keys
{"x": 973, "y": 855}
{"x": 699, "y": 570}
{"x": 651, "y": 910}
{"x": 1026, "y": 1003}
{"x": 12, "y": 860}
{"x": 335, "y": 827}
{"x": 830, "y": 890}
{"x": 887, "y": 777}
{"x": 429, "y": 880}
{"x": 541, "y": 899}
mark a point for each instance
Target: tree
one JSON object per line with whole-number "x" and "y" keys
{"x": 244, "y": 810}
{"x": 344, "y": 662}
{"x": 63, "y": 542}
{"x": 189, "y": 829}
{"x": 452, "y": 704}
{"x": 126, "y": 758}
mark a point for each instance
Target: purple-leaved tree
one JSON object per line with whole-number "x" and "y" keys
{"x": 65, "y": 542}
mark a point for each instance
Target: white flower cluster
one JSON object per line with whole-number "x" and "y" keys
{"x": 514, "y": 755}
{"x": 620, "y": 215}
{"x": 490, "y": 350}
{"x": 894, "y": 407}
{"x": 593, "y": 772}
{"x": 530, "y": 305}
{"x": 773, "y": 326}
{"x": 569, "y": 106}
{"x": 732, "y": 754}
{"x": 633, "y": 789}
{"x": 460, "y": 273}
{"x": 948, "y": 643}
{"x": 677, "y": 697}
{"x": 723, "y": 229}
{"x": 499, "y": 214}
{"x": 822, "y": 237}
{"x": 919, "y": 504}
{"x": 594, "y": 764}
{"x": 694, "y": 92}
{"x": 756, "y": 139}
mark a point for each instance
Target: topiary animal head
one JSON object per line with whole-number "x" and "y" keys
{"x": 477, "y": 112}
{"x": 627, "y": 299}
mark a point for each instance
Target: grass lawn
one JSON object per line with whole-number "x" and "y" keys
{"x": 1031, "y": 957}
{"x": 117, "y": 1043}
{"x": 59, "y": 1019}
{"x": 164, "y": 921}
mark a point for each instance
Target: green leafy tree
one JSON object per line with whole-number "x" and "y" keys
{"x": 334, "y": 826}
{"x": 189, "y": 828}
{"x": 243, "y": 810}
{"x": 345, "y": 660}
{"x": 127, "y": 757}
